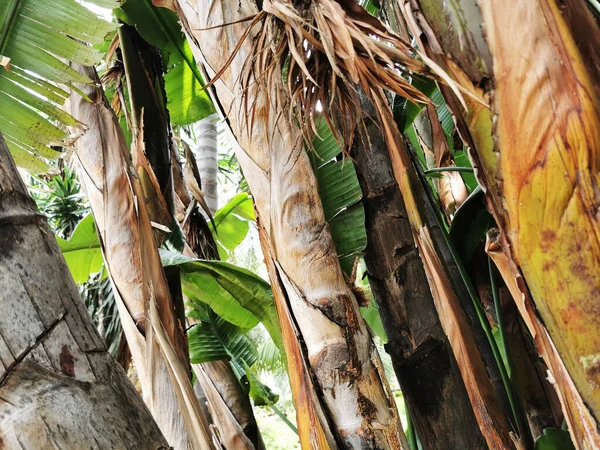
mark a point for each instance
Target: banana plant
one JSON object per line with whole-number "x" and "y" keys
{"x": 37, "y": 39}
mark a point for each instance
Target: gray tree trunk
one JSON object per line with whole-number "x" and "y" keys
{"x": 59, "y": 387}
{"x": 206, "y": 158}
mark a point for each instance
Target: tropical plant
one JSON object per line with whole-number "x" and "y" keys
{"x": 51, "y": 348}
{"x": 60, "y": 199}
{"x": 422, "y": 173}
{"x": 35, "y": 41}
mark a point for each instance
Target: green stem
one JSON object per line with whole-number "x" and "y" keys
{"x": 515, "y": 403}
{"x": 449, "y": 169}
{"x": 283, "y": 417}
{"x": 411, "y": 435}
{"x": 9, "y": 18}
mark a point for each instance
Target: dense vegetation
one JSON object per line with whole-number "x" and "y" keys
{"x": 311, "y": 223}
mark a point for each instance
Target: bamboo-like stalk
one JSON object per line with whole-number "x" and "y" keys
{"x": 206, "y": 155}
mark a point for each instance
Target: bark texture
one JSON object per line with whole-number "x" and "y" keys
{"x": 537, "y": 148}
{"x": 423, "y": 360}
{"x": 155, "y": 336}
{"x": 228, "y": 405}
{"x": 207, "y": 159}
{"x": 59, "y": 387}
{"x": 339, "y": 387}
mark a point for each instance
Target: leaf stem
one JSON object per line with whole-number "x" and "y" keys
{"x": 448, "y": 169}
{"x": 411, "y": 435}
{"x": 283, "y": 417}
{"x": 513, "y": 398}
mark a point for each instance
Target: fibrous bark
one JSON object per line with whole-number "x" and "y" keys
{"x": 155, "y": 336}
{"x": 59, "y": 387}
{"x": 339, "y": 388}
{"x": 536, "y": 148}
{"x": 423, "y": 360}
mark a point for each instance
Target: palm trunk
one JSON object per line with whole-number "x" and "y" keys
{"x": 59, "y": 387}
{"x": 229, "y": 409}
{"x": 217, "y": 385}
{"x": 155, "y": 336}
{"x": 423, "y": 360}
{"x": 537, "y": 150}
{"x": 340, "y": 391}
{"x": 206, "y": 153}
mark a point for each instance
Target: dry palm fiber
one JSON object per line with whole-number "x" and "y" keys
{"x": 323, "y": 49}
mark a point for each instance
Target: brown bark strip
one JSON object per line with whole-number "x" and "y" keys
{"x": 423, "y": 360}
{"x": 487, "y": 411}
{"x": 59, "y": 387}
{"x": 537, "y": 155}
{"x": 582, "y": 424}
{"x": 545, "y": 182}
{"x": 147, "y": 313}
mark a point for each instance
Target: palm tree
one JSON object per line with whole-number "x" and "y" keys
{"x": 207, "y": 158}
{"x": 153, "y": 331}
{"x": 250, "y": 122}
{"x": 59, "y": 387}
{"x": 314, "y": 302}
{"x": 533, "y": 133}
{"x": 284, "y": 72}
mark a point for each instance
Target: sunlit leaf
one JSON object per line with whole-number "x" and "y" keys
{"x": 236, "y": 294}
{"x": 82, "y": 252}
{"x": 186, "y": 101}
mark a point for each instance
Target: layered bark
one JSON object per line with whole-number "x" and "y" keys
{"x": 59, "y": 387}
{"x": 537, "y": 148}
{"x": 155, "y": 336}
{"x": 228, "y": 407}
{"x": 423, "y": 359}
{"x": 339, "y": 387}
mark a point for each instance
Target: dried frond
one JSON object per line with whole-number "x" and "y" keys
{"x": 324, "y": 49}
{"x": 114, "y": 76}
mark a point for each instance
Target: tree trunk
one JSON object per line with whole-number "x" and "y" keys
{"x": 206, "y": 153}
{"x": 229, "y": 409}
{"x": 217, "y": 385}
{"x": 144, "y": 69}
{"x": 155, "y": 336}
{"x": 59, "y": 387}
{"x": 537, "y": 150}
{"x": 423, "y": 360}
{"x": 340, "y": 390}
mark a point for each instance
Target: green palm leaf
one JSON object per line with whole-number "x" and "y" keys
{"x": 232, "y": 223}
{"x": 82, "y": 253}
{"x": 186, "y": 100}
{"x": 340, "y": 194}
{"x": 36, "y": 38}
{"x": 213, "y": 339}
{"x": 234, "y": 293}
